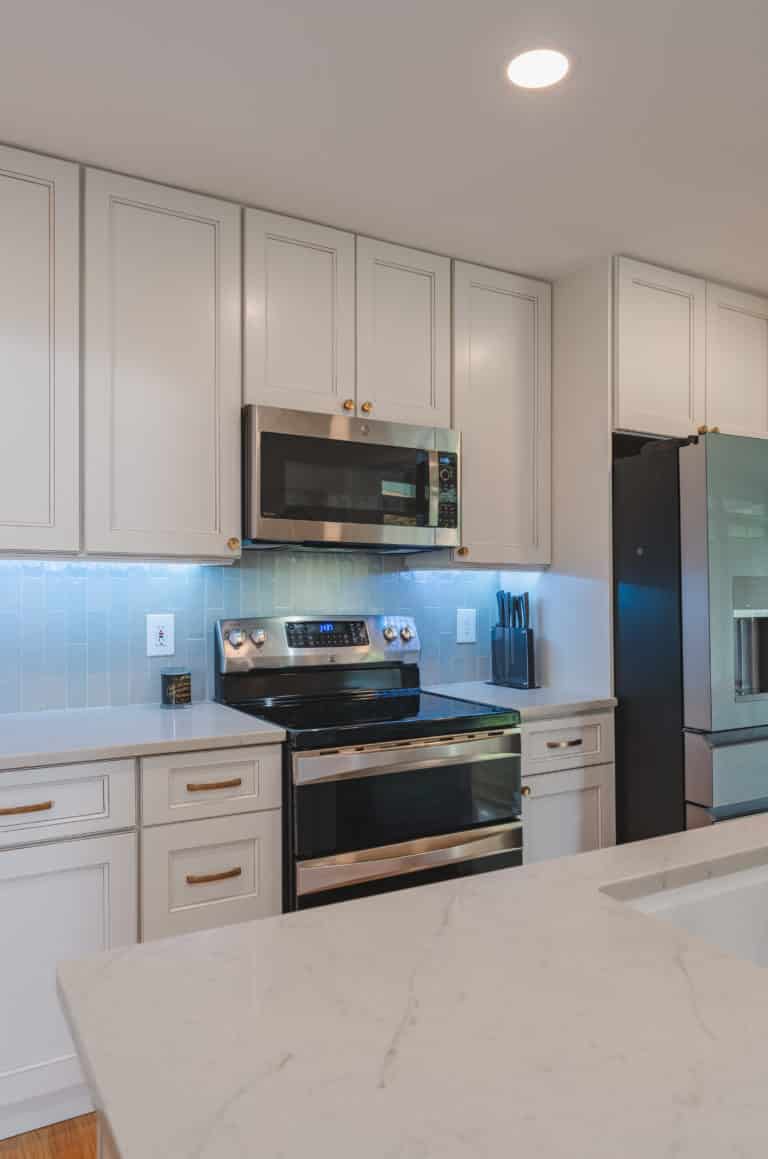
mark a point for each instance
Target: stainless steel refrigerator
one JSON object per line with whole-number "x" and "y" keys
{"x": 690, "y": 631}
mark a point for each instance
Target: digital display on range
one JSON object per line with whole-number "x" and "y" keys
{"x": 327, "y": 634}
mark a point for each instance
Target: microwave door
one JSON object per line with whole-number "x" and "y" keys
{"x": 377, "y": 485}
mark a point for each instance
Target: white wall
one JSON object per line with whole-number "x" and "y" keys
{"x": 572, "y": 599}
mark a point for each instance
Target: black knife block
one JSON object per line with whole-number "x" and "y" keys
{"x": 512, "y": 663}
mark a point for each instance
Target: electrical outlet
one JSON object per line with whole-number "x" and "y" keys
{"x": 466, "y": 625}
{"x": 161, "y": 634}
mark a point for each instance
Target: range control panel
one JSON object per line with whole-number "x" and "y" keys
{"x": 448, "y": 501}
{"x": 252, "y": 643}
{"x": 326, "y": 634}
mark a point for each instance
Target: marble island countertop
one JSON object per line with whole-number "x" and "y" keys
{"x": 519, "y": 1012}
{"x": 531, "y": 703}
{"x": 32, "y": 739}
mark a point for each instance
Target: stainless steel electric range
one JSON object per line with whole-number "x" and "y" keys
{"x": 385, "y": 786}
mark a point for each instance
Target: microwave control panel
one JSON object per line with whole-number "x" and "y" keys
{"x": 448, "y": 501}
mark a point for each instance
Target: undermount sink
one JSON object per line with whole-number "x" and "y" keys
{"x": 727, "y": 908}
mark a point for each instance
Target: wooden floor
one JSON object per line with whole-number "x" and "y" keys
{"x": 75, "y": 1139}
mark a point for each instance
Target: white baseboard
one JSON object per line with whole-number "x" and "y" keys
{"x": 44, "y": 1110}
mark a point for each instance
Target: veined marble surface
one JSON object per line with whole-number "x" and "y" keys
{"x": 520, "y": 1012}
{"x": 531, "y": 703}
{"x": 31, "y": 739}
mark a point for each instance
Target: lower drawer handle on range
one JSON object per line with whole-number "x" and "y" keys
{"x": 204, "y": 878}
{"x": 14, "y": 810}
{"x": 408, "y": 857}
{"x": 232, "y": 783}
{"x": 564, "y": 744}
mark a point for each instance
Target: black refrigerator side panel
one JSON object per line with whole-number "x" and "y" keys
{"x": 648, "y": 666}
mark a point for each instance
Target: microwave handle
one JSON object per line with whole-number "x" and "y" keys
{"x": 433, "y": 482}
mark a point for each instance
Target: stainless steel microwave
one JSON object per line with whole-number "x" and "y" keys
{"x": 333, "y": 480}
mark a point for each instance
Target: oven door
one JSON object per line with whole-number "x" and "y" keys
{"x": 378, "y": 818}
{"x": 325, "y": 479}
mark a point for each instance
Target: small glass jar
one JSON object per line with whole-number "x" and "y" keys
{"x": 176, "y": 687}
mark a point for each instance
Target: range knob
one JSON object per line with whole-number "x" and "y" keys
{"x": 389, "y": 634}
{"x": 236, "y": 637}
{"x": 259, "y": 637}
{"x": 406, "y": 634}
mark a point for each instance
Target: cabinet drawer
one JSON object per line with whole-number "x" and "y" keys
{"x": 199, "y": 874}
{"x": 568, "y": 743}
{"x": 66, "y": 801}
{"x": 191, "y": 786}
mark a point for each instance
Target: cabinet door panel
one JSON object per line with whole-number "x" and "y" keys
{"x": 162, "y": 370}
{"x": 568, "y": 812}
{"x": 57, "y": 901}
{"x": 200, "y": 874}
{"x": 403, "y": 320}
{"x": 300, "y": 314}
{"x": 737, "y": 362}
{"x": 502, "y": 400}
{"x": 38, "y": 353}
{"x": 660, "y": 350}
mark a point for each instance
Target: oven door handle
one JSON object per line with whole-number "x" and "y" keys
{"x": 407, "y": 857}
{"x": 340, "y": 766}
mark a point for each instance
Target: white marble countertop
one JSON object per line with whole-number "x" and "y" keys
{"x": 519, "y": 1012}
{"x": 531, "y": 703}
{"x": 31, "y": 739}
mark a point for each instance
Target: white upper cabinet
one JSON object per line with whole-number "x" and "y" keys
{"x": 39, "y": 386}
{"x": 660, "y": 350}
{"x": 737, "y": 362}
{"x": 502, "y": 404}
{"x": 162, "y": 371}
{"x": 300, "y": 314}
{"x": 403, "y": 334}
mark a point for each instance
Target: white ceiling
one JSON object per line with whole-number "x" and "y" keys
{"x": 394, "y": 118}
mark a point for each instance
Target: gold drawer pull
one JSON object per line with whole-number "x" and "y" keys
{"x": 564, "y": 744}
{"x": 234, "y": 783}
{"x": 204, "y": 878}
{"x": 526, "y": 790}
{"x": 16, "y": 809}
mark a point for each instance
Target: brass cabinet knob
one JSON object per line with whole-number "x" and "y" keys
{"x": 714, "y": 430}
{"x": 702, "y": 430}
{"x": 705, "y": 430}
{"x": 366, "y": 408}
{"x": 348, "y": 404}
{"x": 233, "y": 543}
{"x": 462, "y": 551}
{"x": 526, "y": 790}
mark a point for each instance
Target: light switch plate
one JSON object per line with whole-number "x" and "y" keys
{"x": 161, "y": 634}
{"x": 466, "y": 625}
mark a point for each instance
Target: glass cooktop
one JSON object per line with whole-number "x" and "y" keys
{"x": 336, "y": 721}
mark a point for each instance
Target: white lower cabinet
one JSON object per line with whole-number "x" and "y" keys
{"x": 199, "y": 874}
{"x": 569, "y": 811}
{"x": 57, "y": 901}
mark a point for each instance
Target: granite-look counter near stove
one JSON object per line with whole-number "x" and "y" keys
{"x": 520, "y": 1012}
{"x": 65, "y": 736}
{"x": 531, "y": 703}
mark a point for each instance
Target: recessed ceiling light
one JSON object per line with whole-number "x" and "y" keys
{"x": 538, "y": 68}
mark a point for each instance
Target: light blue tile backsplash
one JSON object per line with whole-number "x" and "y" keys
{"x": 73, "y": 634}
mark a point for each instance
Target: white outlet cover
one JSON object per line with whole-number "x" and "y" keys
{"x": 161, "y": 634}
{"x": 466, "y": 625}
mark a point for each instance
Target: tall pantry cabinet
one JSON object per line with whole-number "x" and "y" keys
{"x": 39, "y": 286}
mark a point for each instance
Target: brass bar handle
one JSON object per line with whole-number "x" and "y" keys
{"x": 41, "y": 807}
{"x": 204, "y": 878}
{"x": 234, "y": 783}
{"x": 564, "y": 744}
